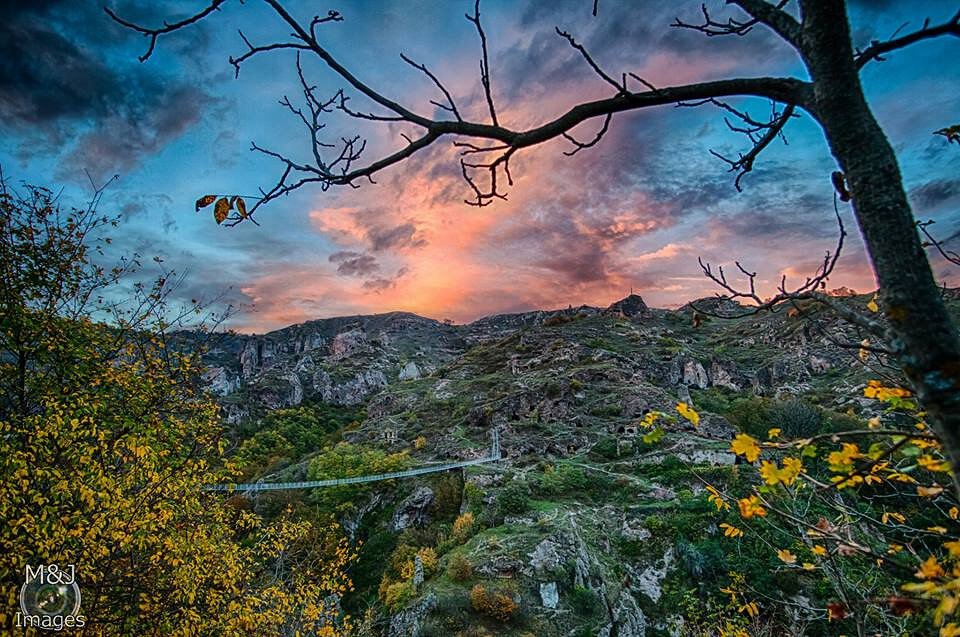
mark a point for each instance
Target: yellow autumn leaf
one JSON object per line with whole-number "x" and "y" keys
{"x": 929, "y": 492}
{"x": 930, "y": 463}
{"x": 773, "y": 432}
{"x": 746, "y": 446}
{"x": 649, "y": 420}
{"x": 774, "y": 475}
{"x": 730, "y": 531}
{"x": 819, "y": 550}
{"x": 876, "y": 389}
{"x": 950, "y": 630}
{"x": 750, "y": 608}
{"x": 786, "y": 556}
{"x": 842, "y": 460}
{"x": 750, "y": 507}
{"x": 687, "y": 412}
{"x": 716, "y": 498}
{"x": 887, "y": 516}
{"x": 930, "y": 569}
{"x": 954, "y": 513}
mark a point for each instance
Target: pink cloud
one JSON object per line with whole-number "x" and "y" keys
{"x": 582, "y": 229}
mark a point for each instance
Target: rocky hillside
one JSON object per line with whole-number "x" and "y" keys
{"x": 591, "y": 524}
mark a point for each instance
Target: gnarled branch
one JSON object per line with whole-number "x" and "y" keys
{"x": 345, "y": 169}
{"x": 809, "y": 289}
{"x": 878, "y": 49}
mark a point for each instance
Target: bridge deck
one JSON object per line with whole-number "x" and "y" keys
{"x": 313, "y": 484}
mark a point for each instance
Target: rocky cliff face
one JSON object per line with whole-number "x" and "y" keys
{"x": 340, "y": 361}
{"x": 580, "y": 516}
{"x": 348, "y": 359}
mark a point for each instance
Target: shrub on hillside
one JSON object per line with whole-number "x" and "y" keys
{"x": 558, "y": 319}
{"x": 495, "y": 604}
{"x": 514, "y": 498}
{"x": 447, "y": 496}
{"x": 459, "y": 569}
{"x": 397, "y": 594}
{"x": 463, "y": 527}
{"x": 750, "y": 415}
{"x": 584, "y": 601}
{"x": 796, "y": 418}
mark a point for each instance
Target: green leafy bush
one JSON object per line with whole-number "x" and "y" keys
{"x": 347, "y": 460}
{"x": 606, "y": 448}
{"x": 796, "y": 418}
{"x": 514, "y": 498}
{"x": 569, "y": 479}
{"x": 285, "y": 435}
{"x": 585, "y": 601}
{"x": 447, "y": 496}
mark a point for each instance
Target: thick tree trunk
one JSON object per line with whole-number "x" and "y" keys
{"x": 925, "y": 337}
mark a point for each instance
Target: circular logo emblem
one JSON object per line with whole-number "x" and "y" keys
{"x": 50, "y": 594}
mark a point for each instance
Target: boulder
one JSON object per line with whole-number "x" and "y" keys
{"x": 689, "y": 372}
{"x": 694, "y": 375}
{"x": 351, "y": 391}
{"x": 649, "y": 580}
{"x": 346, "y": 344}
{"x": 549, "y": 596}
{"x": 725, "y": 374}
{"x": 409, "y": 622}
{"x": 545, "y": 558}
{"x": 219, "y": 381}
{"x": 413, "y": 510}
{"x": 410, "y": 371}
{"x": 627, "y": 619}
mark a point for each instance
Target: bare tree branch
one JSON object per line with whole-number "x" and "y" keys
{"x": 344, "y": 169}
{"x": 450, "y": 105}
{"x": 809, "y": 289}
{"x": 791, "y": 93}
{"x": 949, "y": 255}
{"x": 760, "y": 12}
{"x": 760, "y": 134}
{"x": 154, "y": 34}
{"x": 484, "y": 61}
{"x": 878, "y": 49}
{"x": 578, "y": 145}
{"x": 620, "y": 87}
{"x": 254, "y": 50}
{"x": 774, "y": 17}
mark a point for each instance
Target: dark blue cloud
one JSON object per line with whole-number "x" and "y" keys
{"x": 59, "y": 85}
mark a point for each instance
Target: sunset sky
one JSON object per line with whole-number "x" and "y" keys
{"x": 634, "y": 212}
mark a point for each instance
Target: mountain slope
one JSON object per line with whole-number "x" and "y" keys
{"x": 593, "y": 523}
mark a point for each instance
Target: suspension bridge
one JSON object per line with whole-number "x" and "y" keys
{"x": 377, "y": 477}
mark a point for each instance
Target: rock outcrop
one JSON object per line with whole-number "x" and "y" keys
{"x": 413, "y": 510}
